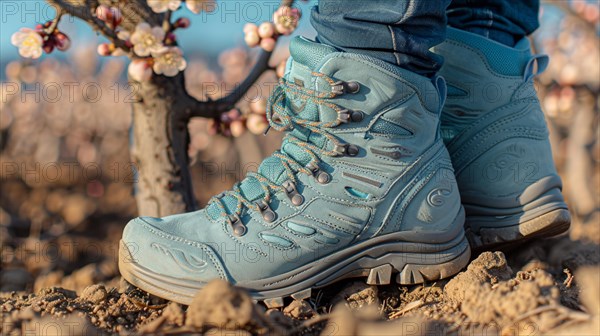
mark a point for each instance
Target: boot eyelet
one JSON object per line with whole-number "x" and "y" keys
{"x": 352, "y": 150}
{"x": 321, "y": 176}
{"x": 346, "y": 149}
{"x": 239, "y": 229}
{"x": 346, "y": 116}
{"x": 357, "y": 116}
{"x": 267, "y": 213}
{"x": 352, "y": 87}
{"x": 292, "y": 193}
{"x": 297, "y": 200}
{"x": 341, "y": 87}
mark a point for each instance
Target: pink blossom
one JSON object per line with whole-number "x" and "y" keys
{"x": 286, "y": 19}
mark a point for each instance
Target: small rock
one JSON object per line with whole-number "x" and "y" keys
{"x": 299, "y": 310}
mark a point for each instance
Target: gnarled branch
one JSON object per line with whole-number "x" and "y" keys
{"x": 213, "y": 108}
{"x": 85, "y": 13}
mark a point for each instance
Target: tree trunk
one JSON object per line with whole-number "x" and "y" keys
{"x": 159, "y": 148}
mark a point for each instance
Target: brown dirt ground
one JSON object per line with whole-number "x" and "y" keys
{"x": 543, "y": 287}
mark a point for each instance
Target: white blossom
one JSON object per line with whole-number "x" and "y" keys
{"x": 29, "y": 42}
{"x": 146, "y": 39}
{"x": 169, "y": 62}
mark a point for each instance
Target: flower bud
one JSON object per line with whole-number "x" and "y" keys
{"x": 62, "y": 41}
{"x": 48, "y": 46}
{"x": 111, "y": 15}
{"x": 139, "y": 70}
{"x": 182, "y": 22}
{"x": 237, "y": 128}
{"x": 252, "y": 39}
{"x": 266, "y": 30}
{"x": 268, "y": 44}
{"x": 104, "y": 49}
{"x": 250, "y": 27}
{"x": 256, "y": 123}
{"x": 258, "y": 106}
{"x": 170, "y": 39}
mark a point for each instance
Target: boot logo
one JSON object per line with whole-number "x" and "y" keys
{"x": 297, "y": 108}
{"x": 437, "y": 197}
{"x": 181, "y": 258}
{"x": 512, "y": 153}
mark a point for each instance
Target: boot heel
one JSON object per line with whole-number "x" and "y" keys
{"x": 547, "y": 225}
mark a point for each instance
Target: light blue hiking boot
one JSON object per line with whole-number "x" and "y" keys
{"x": 496, "y": 134}
{"x": 362, "y": 186}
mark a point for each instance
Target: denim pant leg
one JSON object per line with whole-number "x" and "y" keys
{"x": 505, "y": 21}
{"x": 396, "y": 31}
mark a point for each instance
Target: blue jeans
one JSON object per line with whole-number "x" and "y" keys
{"x": 403, "y": 31}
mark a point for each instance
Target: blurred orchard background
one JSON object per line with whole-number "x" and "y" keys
{"x": 66, "y": 179}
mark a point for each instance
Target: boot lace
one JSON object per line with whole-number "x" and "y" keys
{"x": 282, "y": 118}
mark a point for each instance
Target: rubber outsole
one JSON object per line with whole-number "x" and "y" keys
{"x": 547, "y": 225}
{"x": 380, "y": 264}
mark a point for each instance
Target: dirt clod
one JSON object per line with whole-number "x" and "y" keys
{"x": 488, "y": 293}
{"x": 300, "y": 310}
{"x": 94, "y": 293}
{"x": 223, "y": 306}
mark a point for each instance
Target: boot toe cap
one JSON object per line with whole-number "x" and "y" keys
{"x": 150, "y": 247}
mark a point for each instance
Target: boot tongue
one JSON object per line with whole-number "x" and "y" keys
{"x": 309, "y": 53}
{"x": 305, "y": 58}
